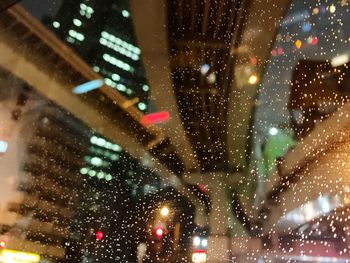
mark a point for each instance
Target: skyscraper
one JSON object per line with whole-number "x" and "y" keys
{"x": 103, "y": 35}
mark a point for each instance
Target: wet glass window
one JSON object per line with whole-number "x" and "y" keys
{"x": 174, "y": 131}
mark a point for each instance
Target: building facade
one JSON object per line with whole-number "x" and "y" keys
{"x": 103, "y": 35}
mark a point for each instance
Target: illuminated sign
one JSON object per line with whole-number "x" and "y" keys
{"x": 199, "y": 256}
{"x": 13, "y": 256}
{"x": 154, "y": 118}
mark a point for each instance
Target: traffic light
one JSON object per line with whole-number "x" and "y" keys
{"x": 99, "y": 235}
{"x": 159, "y": 232}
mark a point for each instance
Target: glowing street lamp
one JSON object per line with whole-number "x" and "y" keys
{"x": 253, "y": 79}
{"x": 164, "y": 211}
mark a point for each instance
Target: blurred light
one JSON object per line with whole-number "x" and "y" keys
{"x": 13, "y": 256}
{"x": 202, "y": 188}
{"x": 88, "y": 86}
{"x": 315, "y": 11}
{"x": 204, "y": 242}
{"x": 298, "y": 44}
{"x": 273, "y": 131}
{"x": 306, "y": 27}
{"x": 253, "y": 60}
{"x": 3, "y": 146}
{"x": 96, "y": 161}
{"x": 273, "y": 53}
{"x": 56, "y": 24}
{"x": 83, "y": 170}
{"x": 340, "y": 60}
{"x": 211, "y": 78}
{"x": 204, "y": 69}
{"x": 196, "y": 241}
{"x": 253, "y": 79}
{"x": 77, "y": 22}
{"x": 332, "y": 8}
{"x": 153, "y": 118}
{"x": 145, "y": 88}
{"x": 99, "y": 235}
{"x": 199, "y": 256}
{"x": 164, "y": 211}
{"x": 92, "y": 173}
{"x": 159, "y": 231}
{"x": 314, "y": 41}
{"x": 125, "y": 13}
{"x": 2, "y": 244}
{"x": 142, "y": 106}
{"x": 279, "y": 51}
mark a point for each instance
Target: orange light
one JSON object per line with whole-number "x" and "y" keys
{"x": 298, "y": 44}
{"x": 253, "y": 79}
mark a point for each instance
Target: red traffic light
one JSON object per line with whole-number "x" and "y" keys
{"x": 99, "y": 235}
{"x": 159, "y": 231}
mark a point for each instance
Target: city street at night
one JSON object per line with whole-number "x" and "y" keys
{"x": 174, "y": 131}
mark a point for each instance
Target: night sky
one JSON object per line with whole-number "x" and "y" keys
{"x": 40, "y": 8}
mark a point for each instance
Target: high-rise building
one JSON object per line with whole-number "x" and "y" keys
{"x": 61, "y": 183}
{"x": 102, "y": 34}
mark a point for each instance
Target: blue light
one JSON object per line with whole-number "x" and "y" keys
{"x": 88, "y": 86}
{"x": 306, "y": 27}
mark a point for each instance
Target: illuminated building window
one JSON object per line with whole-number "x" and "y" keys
{"x": 115, "y": 77}
{"x": 99, "y": 174}
{"x": 77, "y": 22}
{"x": 86, "y": 10}
{"x": 70, "y": 40}
{"x": 121, "y": 43}
{"x": 116, "y": 62}
{"x": 76, "y": 35}
{"x": 125, "y": 13}
{"x": 105, "y": 144}
{"x": 121, "y": 87}
{"x": 56, "y": 24}
{"x": 142, "y": 106}
{"x": 119, "y": 49}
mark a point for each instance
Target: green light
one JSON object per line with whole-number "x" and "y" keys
{"x": 116, "y": 147}
{"x": 125, "y": 13}
{"x": 121, "y": 87}
{"x": 77, "y": 22}
{"x": 101, "y": 142}
{"x": 96, "y": 161}
{"x": 100, "y": 175}
{"x": 108, "y": 177}
{"x": 142, "y": 106}
{"x": 114, "y": 157}
{"x": 115, "y": 77}
{"x": 145, "y": 88}
{"x": 56, "y": 24}
{"x": 92, "y": 173}
{"x": 83, "y": 170}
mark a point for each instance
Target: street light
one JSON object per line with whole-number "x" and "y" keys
{"x": 164, "y": 211}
